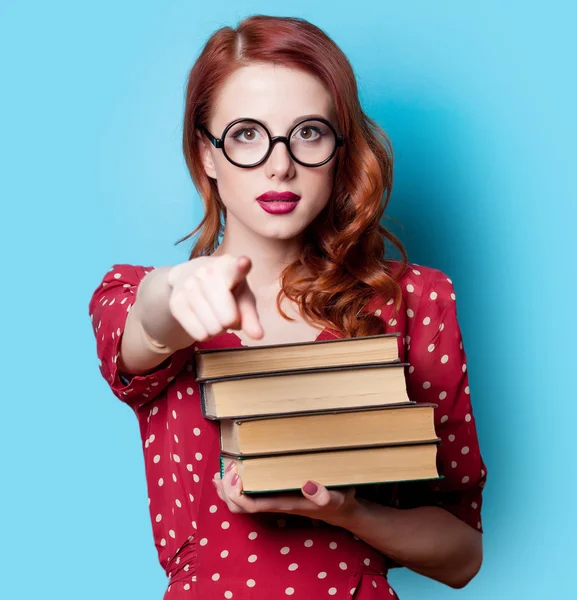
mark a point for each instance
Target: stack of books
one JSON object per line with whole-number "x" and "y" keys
{"x": 334, "y": 411}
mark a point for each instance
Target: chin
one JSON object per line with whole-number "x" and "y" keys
{"x": 282, "y": 233}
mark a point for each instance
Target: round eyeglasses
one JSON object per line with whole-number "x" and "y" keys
{"x": 248, "y": 143}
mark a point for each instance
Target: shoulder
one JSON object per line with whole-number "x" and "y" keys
{"x": 127, "y": 273}
{"x": 429, "y": 309}
{"x": 423, "y": 283}
{"x": 119, "y": 283}
{"x": 427, "y": 299}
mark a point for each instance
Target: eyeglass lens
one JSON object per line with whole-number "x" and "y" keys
{"x": 247, "y": 142}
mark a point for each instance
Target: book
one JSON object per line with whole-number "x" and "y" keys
{"x": 347, "y": 428}
{"x": 305, "y": 390}
{"x": 360, "y": 466}
{"x": 217, "y": 363}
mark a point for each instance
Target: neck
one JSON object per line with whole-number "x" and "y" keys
{"x": 269, "y": 257}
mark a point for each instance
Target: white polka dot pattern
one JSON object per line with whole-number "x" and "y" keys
{"x": 263, "y": 556}
{"x": 440, "y": 376}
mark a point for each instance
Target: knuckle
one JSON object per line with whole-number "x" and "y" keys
{"x": 228, "y": 260}
{"x": 201, "y": 272}
{"x": 190, "y": 283}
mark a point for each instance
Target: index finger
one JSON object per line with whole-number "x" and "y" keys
{"x": 236, "y": 270}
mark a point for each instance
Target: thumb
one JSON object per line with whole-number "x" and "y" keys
{"x": 317, "y": 493}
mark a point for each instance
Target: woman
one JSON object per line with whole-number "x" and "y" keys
{"x": 296, "y": 178}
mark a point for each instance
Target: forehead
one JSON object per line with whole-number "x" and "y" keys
{"x": 270, "y": 93}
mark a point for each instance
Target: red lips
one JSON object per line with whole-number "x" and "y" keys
{"x": 278, "y": 197}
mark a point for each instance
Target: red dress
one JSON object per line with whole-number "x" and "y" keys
{"x": 209, "y": 552}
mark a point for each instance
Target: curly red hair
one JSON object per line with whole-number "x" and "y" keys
{"x": 343, "y": 253}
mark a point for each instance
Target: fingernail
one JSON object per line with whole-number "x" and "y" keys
{"x": 234, "y": 479}
{"x": 230, "y": 466}
{"x": 310, "y": 488}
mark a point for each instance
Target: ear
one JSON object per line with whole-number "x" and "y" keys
{"x": 205, "y": 151}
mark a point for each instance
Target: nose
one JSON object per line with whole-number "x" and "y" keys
{"x": 279, "y": 163}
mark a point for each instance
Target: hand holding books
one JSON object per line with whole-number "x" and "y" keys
{"x": 316, "y": 501}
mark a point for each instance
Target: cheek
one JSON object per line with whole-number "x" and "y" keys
{"x": 234, "y": 184}
{"x": 319, "y": 182}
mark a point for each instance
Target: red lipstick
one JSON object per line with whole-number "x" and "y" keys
{"x": 278, "y": 197}
{"x": 278, "y": 203}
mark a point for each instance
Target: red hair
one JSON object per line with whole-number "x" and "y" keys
{"x": 343, "y": 254}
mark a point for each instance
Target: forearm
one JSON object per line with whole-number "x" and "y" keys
{"x": 152, "y": 309}
{"x": 428, "y": 540}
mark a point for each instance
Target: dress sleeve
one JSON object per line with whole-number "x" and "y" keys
{"x": 108, "y": 308}
{"x": 438, "y": 374}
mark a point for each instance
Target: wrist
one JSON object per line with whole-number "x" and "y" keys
{"x": 364, "y": 514}
{"x": 162, "y": 333}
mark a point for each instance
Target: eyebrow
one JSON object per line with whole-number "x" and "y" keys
{"x": 294, "y": 122}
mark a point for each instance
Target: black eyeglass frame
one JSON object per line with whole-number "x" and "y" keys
{"x": 219, "y": 142}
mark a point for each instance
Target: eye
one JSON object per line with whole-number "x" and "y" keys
{"x": 309, "y": 133}
{"x": 246, "y": 134}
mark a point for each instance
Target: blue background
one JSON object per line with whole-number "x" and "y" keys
{"x": 478, "y": 100}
